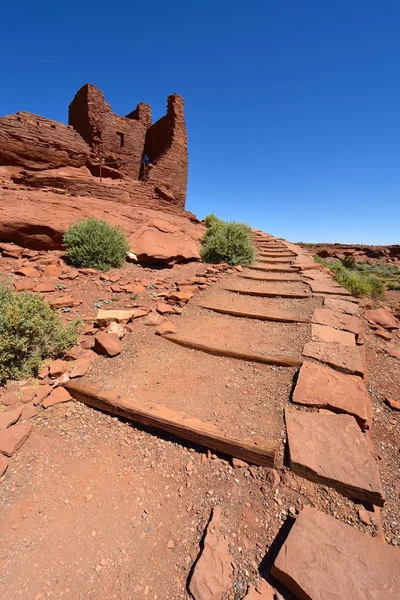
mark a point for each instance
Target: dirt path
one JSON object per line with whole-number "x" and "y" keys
{"x": 96, "y": 507}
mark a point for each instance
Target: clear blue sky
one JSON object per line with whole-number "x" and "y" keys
{"x": 293, "y": 106}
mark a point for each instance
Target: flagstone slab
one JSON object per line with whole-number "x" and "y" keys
{"x": 335, "y": 318}
{"x": 328, "y": 287}
{"x": 322, "y": 558}
{"x": 349, "y": 308}
{"x": 332, "y": 450}
{"x": 323, "y": 387}
{"x": 324, "y": 333}
{"x": 338, "y": 356}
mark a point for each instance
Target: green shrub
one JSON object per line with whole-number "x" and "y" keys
{"x": 354, "y": 281}
{"x": 96, "y": 244}
{"x": 349, "y": 262}
{"x": 227, "y": 242}
{"x": 29, "y": 332}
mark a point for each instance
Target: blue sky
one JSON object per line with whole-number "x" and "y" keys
{"x": 292, "y": 106}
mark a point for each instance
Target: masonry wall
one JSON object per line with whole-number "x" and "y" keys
{"x": 166, "y": 146}
{"x": 116, "y": 140}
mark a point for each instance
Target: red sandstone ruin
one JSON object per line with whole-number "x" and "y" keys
{"x": 105, "y": 143}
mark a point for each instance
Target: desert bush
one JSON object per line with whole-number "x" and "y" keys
{"x": 355, "y": 282}
{"x": 349, "y": 262}
{"x": 227, "y": 242}
{"x": 29, "y": 332}
{"x": 96, "y": 244}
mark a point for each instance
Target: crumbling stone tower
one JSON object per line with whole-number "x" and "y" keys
{"x": 121, "y": 142}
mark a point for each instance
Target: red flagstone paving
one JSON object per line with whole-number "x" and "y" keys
{"x": 344, "y": 358}
{"x": 333, "y": 318}
{"x": 323, "y": 333}
{"x": 323, "y": 559}
{"x": 350, "y": 308}
{"x": 323, "y": 387}
{"x": 331, "y": 449}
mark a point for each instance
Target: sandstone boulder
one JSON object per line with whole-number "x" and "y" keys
{"x": 159, "y": 241}
{"x": 108, "y": 344}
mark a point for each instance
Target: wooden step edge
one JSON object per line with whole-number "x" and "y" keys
{"x": 272, "y": 279}
{"x": 261, "y": 294}
{"x": 259, "y": 453}
{"x": 252, "y": 315}
{"x": 281, "y": 361}
{"x": 266, "y": 269}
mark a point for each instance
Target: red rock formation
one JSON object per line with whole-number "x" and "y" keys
{"x": 34, "y": 142}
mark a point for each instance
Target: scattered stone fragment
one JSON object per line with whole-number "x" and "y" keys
{"x": 324, "y": 558}
{"x": 395, "y": 404}
{"x": 9, "y": 398}
{"x": 261, "y": 591}
{"x": 382, "y": 317}
{"x": 237, "y": 463}
{"x": 61, "y": 380}
{"x": 74, "y": 353}
{"x": 165, "y": 309}
{"x": 29, "y": 412}
{"x": 115, "y": 327}
{"x": 43, "y": 372}
{"x": 42, "y": 393}
{"x": 382, "y": 333}
{"x": 30, "y": 272}
{"x": 58, "y": 367}
{"x": 81, "y": 366}
{"x": 212, "y": 575}
{"x": 392, "y": 351}
{"x": 3, "y": 464}
{"x": 107, "y": 344}
{"x": 24, "y": 286}
{"x": 324, "y": 333}
{"x": 154, "y": 319}
{"x": 105, "y": 317}
{"x": 28, "y": 394}
{"x": 165, "y": 328}
{"x": 331, "y": 449}
{"x": 364, "y": 516}
{"x": 323, "y": 387}
{"x": 139, "y": 312}
{"x": 62, "y": 302}
{"x": 44, "y": 287}
{"x": 344, "y": 358}
{"x": 171, "y": 545}
{"x": 70, "y": 274}
{"x": 9, "y": 417}
{"x": 273, "y": 478}
{"x": 52, "y": 271}
{"x": 57, "y": 396}
{"x": 183, "y": 296}
{"x": 12, "y": 438}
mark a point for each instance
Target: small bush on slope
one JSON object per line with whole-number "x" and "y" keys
{"x": 96, "y": 244}
{"x": 356, "y": 283}
{"x": 29, "y": 332}
{"x": 227, "y": 242}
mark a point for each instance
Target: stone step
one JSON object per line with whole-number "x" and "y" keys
{"x": 324, "y": 558}
{"x": 216, "y": 350}
{"x": 271, "y": 278}
{"x": 335, "y": 318}
{"x": 272, "y": 269}
{"x": 332, "y": 450}
{"x": 344, "y": 358}
{"x": 319, "y": 386}
{"x": 255, "y": 315}
{"x": 268, "y": 294}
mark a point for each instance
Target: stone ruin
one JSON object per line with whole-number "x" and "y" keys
{"x": 106, "y": 144}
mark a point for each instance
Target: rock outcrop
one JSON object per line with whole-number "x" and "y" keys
{"x": 37, "y": 143}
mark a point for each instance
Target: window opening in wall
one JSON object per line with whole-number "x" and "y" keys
{"x": 121, "y": 138}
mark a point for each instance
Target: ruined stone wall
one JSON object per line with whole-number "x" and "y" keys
{"x": 166, "y": 146}
{"x": 37, "y": 143}
{"x": 116, "y": 140}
